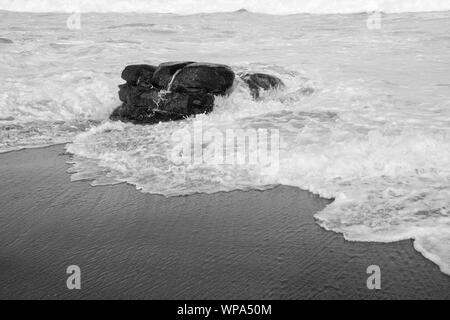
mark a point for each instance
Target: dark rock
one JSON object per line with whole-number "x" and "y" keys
{"x": 186, "y": 104}
{"x": 152, "y": 105}
{"x": 124, "y": 90}
{"x": 165, "y": 71}
{"x": 131, "y": 113}
{"x": 143, "y": 115}
{"x": 176, "y": 90}
{"x": 261, "y": 81}
{"x": 135, "y": 95}
{"x": 203, "y": 77}
{"x": 140, "y": 74}
{"x": 163, "y": 116}
{"x": 6, "y": 40}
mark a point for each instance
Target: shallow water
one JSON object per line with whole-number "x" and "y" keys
{"x": 364, "y": 119}
{"x": 229, "y": 245}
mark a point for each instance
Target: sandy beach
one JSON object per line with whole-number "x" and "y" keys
{"x": 240, "y": 245}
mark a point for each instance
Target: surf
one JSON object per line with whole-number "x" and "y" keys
{"x": 203, "y": 6}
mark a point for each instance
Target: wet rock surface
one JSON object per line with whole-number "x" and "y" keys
{"x": 204, "y": 77}
{"x": 165, "y": 72}
{"x": 176, "y": 90}
{"x": 138, "y": 74}
{"x": 258, "y": 82}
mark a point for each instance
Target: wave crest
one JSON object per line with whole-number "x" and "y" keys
{"x": 206, "y": 6}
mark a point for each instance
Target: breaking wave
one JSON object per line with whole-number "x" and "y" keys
{"x": 207, "y": 6}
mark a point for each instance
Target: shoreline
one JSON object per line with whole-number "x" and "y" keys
{"x": 130, "y": 245}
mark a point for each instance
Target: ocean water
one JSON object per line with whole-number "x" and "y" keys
{"x": 206, "y": 6}
{"x": 364, "y": 118}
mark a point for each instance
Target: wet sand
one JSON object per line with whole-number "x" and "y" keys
{"x": 236, "y": 245}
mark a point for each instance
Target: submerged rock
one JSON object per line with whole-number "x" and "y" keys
{"x": 261, "y": 81}
{"x": 143, "y": 115}
{"x": 6, "y": 41}
{"x": 165, "y": 72}
{"x": 131, "y": 113}
{"x": 204, "y": 77}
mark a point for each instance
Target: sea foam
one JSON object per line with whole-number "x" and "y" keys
{"x": 389, "y": 182}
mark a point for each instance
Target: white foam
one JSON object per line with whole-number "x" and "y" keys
{"x": 52, "y": 109}
{"x": 62, "y": 95}
{"x": 207, "y": 6}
